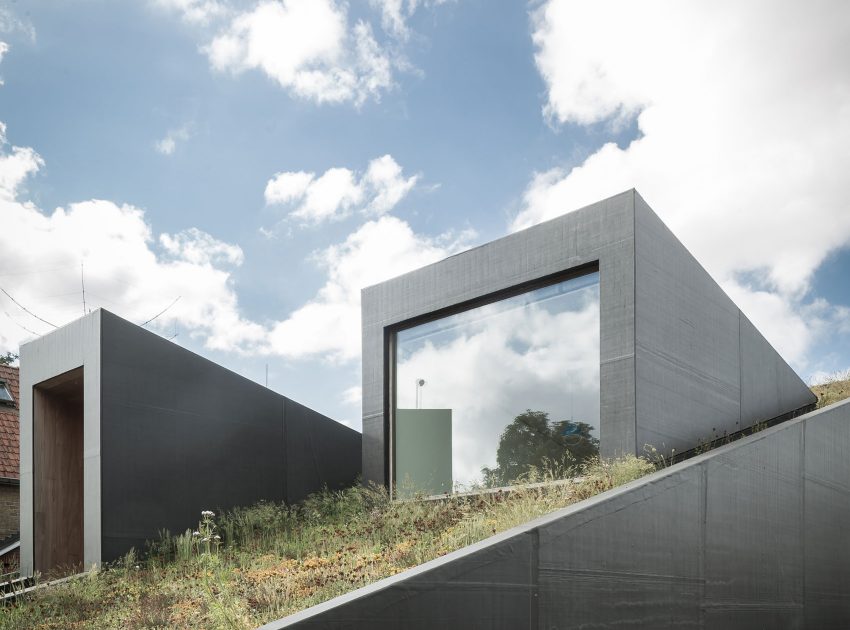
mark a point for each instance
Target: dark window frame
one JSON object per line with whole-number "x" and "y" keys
{"x": 391, "y": 332}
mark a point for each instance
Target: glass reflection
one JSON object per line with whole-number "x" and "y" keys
{"x": 498, "y": 393}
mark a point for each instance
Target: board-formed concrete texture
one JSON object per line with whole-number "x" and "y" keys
{"x": 168, "y": 433}
{"x": 755, "y": 534}
{"x": 679, "y": 363}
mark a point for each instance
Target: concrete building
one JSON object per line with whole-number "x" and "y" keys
{"x": 124, "y": 433}
{"x": 595, "y": 330}
{"x": 752, "y": 534}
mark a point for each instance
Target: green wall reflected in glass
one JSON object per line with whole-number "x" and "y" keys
{"x": 503, "y": 391}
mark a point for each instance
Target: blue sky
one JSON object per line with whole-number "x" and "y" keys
{"x": 264, "y": 160}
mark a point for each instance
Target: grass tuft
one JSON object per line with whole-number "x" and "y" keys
{"x": 832, "y": 389}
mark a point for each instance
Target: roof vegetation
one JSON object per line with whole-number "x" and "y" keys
{"x": 254, "y": 565}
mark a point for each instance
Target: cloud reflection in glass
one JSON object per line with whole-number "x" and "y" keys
{"x": 520, "y": 377}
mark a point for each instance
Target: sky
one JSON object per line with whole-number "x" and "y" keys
{"x": 238, "y": 171}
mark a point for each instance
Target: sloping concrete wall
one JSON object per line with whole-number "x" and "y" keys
{"x": 702, "y": 370}
{"x": 181, "y": 434}
{"x": 755, "y": 534}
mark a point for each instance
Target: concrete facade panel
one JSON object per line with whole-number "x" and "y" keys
{"x": 319, "y": 452}
{"x": 168, "y": 434}
{"x": 74, "y": 345}
{"x": 717, "y": 541}
{"x": 827, "y": 540}
{"x": 687, "y": 351}
{"x": 679, "y": 364}
{"x": 756, "y": 491}
{"x": 601, "y": 234}
{"x": 769, "y": 387}
{"x": 776, "y": 617}
{"x": 656, "y": 584}
{"x": 180, "y": 434}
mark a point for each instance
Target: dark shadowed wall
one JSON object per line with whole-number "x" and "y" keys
{"x": 181, "y": 434}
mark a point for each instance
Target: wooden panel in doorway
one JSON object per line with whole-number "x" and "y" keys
{"x": 58, "y": 473}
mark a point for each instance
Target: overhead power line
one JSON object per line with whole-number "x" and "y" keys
{"x": 32, "y": 332}
{"x": 161, "y": 312}
{"x": 25, "y": 309}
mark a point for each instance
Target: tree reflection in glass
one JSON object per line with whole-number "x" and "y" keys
{"x": 518, "y": 381}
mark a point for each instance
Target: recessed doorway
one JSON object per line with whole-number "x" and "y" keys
{"x": 58, "y": 473}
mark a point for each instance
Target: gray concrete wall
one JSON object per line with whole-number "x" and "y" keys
{"x": 181, "y": 434}
{"x": 702, "y": 370}
{"x": 168, "y": 433}
{"x": 769, "y": 387}
{"x": 603, "y": 233}
{"x": 320, "y": 452}
{"x": 679, "y": 363}
{"x": 74, "y": 345}
{"x": 755, "y": 534}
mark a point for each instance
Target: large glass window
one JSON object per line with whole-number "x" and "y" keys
{"x": 499, "y": 393}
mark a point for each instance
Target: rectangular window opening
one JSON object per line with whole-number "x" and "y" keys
{"x": 503, "y": 392}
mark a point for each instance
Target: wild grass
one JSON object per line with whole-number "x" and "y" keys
{"x": 832, "y": 389}
{"x": 274, "y": 560}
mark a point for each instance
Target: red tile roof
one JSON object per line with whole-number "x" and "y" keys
{"x": 9, "y": 431}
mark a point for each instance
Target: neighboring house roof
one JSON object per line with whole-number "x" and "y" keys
{"x": 9, "y": 426}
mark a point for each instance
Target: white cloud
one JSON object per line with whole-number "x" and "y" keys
{"x": 124, "y": 270}
{"x": 384, "y": 179}
{"x": 353, "y": 395}
{"x": 330, "y": 196}
{"x": 308, "y": 47}
{"x": 15, "y": 167}
{"x": 134, "y": 273}
{"x": 196, "y": 11}
{"x": 394, "y": 16}
{"x": 168, "y": 144}
{"x": 395, "y": 13}
{"x": 336, "y": 193}
{"x": 328, "y": 326}
{"x": 493, "y": 363}
{"x": 11, "y": 23}
{"x": 200, "y": 248}
{"x": 822, "y": 378}
{"x": 744, "y": 114}
{"x": 286, "y": 187}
